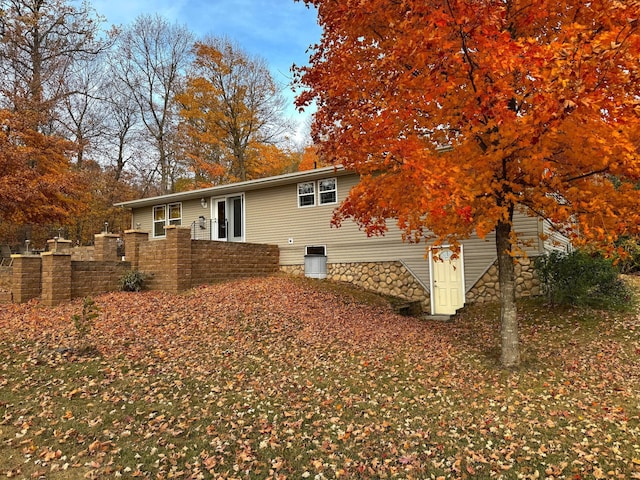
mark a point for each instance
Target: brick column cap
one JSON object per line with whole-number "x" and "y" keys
{"x": 136, "y": 231}
{"x": 107, "y": 235}
{"x": 177, "y": 227}
{"x": 61, "y": 254}
{"x": 25, "y": 255}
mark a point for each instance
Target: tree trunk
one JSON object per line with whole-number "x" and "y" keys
{"x": 510, "y": 356}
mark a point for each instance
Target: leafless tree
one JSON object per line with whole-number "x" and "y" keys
{"x": 40, "y": 40}
{"x": 150, "y": 60}
{"x": 83, "y": 117}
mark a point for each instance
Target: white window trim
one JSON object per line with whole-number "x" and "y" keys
{"x": 320, "y": 202}
{"x": 166, "y": 218}
{"x": 299, "y": 196}
{"x": 169, "y": 219}
{"x": 154, "y": 221}
{"x": 317, "y": 195}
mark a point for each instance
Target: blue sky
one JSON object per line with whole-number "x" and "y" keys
{"x": 280, "y": 31}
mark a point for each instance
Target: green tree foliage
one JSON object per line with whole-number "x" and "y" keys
{"x": 580, "y": 278}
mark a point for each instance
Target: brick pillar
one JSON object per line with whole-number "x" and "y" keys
{"x": 132, "y": 241}
{"x": 106, "y": 247}
{"x": 27, "y": 277}
{"x": 178, "y": 258}
{"x": 56, "y": 278}
{"x": 59, "y": 245}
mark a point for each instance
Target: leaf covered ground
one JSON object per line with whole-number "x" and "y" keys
{"x": 285, "y": 378}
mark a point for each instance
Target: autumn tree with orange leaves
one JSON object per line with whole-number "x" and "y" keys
{"x": 232, "y": 114}
{"x": 538, "y": 101}
{"x": 37, "y": 184}
{"x": 311, "y": 160}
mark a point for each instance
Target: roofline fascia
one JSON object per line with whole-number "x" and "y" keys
{"x": 256, "y": 184}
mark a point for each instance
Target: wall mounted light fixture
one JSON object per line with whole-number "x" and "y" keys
{"x": 203, "y": 202}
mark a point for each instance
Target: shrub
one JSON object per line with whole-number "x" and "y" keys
{"x": 132, "y": 281}
{"x": 629, "y": 262}
{"x": 582, "y": 279}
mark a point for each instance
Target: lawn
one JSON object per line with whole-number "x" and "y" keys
{"x": 285, "y": 378}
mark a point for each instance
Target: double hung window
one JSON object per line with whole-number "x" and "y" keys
{"x": 163, "y": 215}
{"x": 327, "y": 192}
{"x": 306, "y": 194}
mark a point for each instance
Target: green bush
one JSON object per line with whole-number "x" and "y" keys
{"x": 132, "y": 281}
{"x": 582, "y": 279}
{"x": 630, "y": 261}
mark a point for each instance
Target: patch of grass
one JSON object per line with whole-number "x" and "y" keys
{"x": 277, "y": 378}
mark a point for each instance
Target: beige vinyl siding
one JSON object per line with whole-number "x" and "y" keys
{"x": 554, "y": 241}
{"x": 144, "y": 217}
{"x": 191, "y": 210}
{"x": 273, "y": 217}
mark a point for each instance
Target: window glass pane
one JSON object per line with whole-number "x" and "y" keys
{"x": 316, "y": 250}
{"x": 158, "y": 229}
{"x": 306, "y": 201}
{"x": 327, "y": 197}
{"x": 305, "y": 188}
{"x": 328, "y": 191}
{"x": 327, "y": 184}
{"x": 237, "y": 217}
{"x": 175, "y": 210}
{"x": 306, "y": 194}
{"x": 222, "y": 219}
{"x": 158, "y": 213}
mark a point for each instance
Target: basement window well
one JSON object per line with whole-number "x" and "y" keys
{"x": 315, "y": 261}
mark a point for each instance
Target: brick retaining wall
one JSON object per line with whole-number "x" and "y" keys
{"x": 89, "y": 278}
{"x": 26, "y": 277}
{"x": 173, "y": 264}
{"x": 56, "y": 276}
{"x": 151, "y": 260}
{"x": 217, "y": 261}
{"x": 6, "y": 277}
{"x": 178, "y": 263}
{"x": 6, "y": 280}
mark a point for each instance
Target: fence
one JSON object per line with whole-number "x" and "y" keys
{"x": 201, "y": 229}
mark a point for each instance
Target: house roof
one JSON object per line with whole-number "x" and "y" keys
{"x": 231, "y": 188}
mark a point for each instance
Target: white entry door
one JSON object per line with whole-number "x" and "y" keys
{"x": 220, "y": 223}
{"x": 228, "y": 218}
{"x": 447, "y": 281}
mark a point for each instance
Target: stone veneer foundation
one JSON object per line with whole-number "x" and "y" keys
{"x": 393, "y": 278}
{"x": 486, "y": 289}
{"x": 386, "y": 278}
